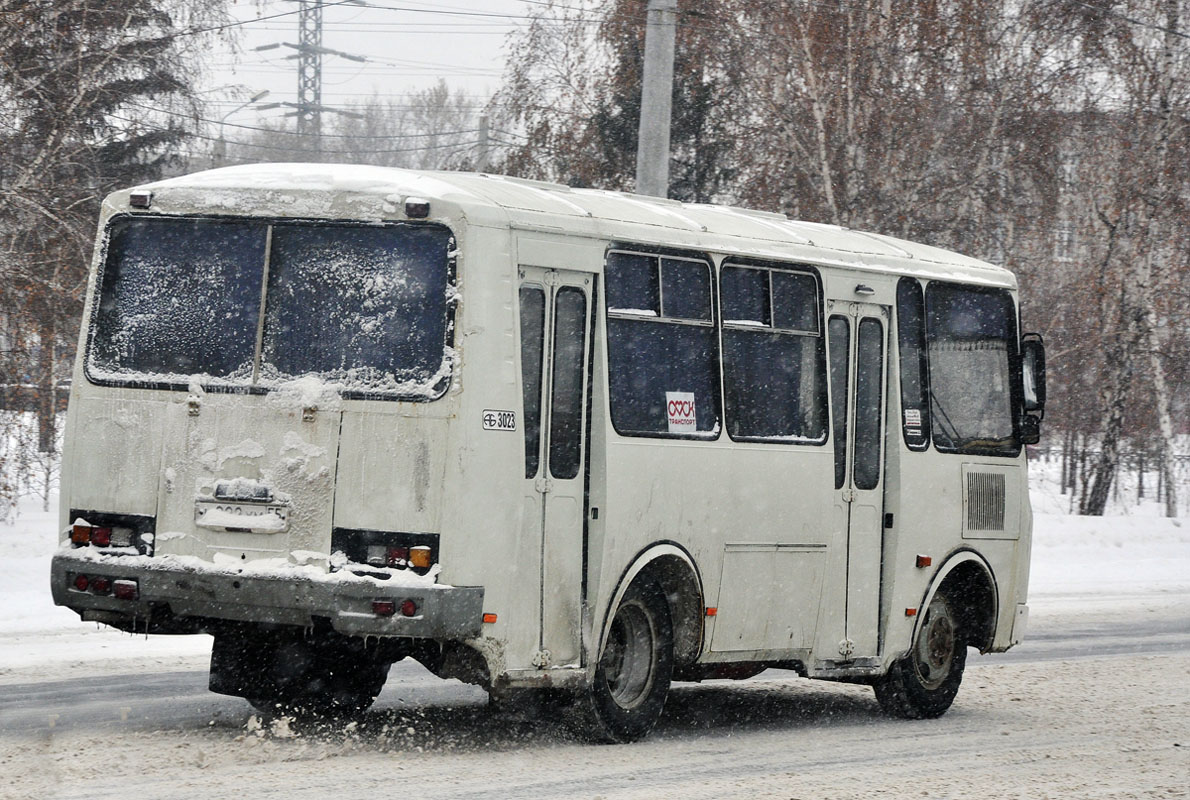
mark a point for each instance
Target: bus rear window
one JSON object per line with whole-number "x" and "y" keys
{"x": 179, "y": 297}
{"x": 363, "y": 306}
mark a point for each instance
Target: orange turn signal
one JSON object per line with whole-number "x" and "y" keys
{"x": 489, "y": 618}
{"x": 420, "y": 557}
{"x": 924, "y": 561}
{"x": 911, "y": 612}
{"x": 80, "y": 534}
{"x": 712, "y": 611}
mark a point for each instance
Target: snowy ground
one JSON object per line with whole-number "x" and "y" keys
{"x": 1034, "y": 723}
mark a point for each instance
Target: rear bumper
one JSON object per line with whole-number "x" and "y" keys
{"x": 184, "y": 598}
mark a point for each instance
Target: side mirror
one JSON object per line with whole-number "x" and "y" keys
{"x": 1030, "y": 429}
{"x": 1033, "y": 372}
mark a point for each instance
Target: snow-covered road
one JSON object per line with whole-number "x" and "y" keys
{"x": 1110, "y": 726}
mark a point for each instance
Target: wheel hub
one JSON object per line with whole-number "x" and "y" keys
{"x": 628, "y": 657}
{"x": 933, "y": 653}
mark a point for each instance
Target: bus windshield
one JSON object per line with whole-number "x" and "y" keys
{"x": 971, "y": 333}
{"x": 364, "y": 306}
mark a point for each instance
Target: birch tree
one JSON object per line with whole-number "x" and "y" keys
{"x": 1138, "y": 53}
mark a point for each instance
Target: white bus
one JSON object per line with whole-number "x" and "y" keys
{"x": 541, "y": 438}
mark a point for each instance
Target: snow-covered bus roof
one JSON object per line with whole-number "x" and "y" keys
{"x": 341, "y": 191}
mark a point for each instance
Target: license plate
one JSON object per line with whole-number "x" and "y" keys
{"x": 256, "y": 517}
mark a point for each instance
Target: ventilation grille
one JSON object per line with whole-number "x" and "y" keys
{"x": 985, "y": 501}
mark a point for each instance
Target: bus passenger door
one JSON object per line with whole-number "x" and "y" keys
{"x": 858, "y": 349}
{"x": 555, "y": 308}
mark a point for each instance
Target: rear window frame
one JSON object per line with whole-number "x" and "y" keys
{"x": 216, "y": 385}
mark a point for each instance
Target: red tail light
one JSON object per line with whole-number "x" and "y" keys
{"x": 384, "y": 608}
{"x": 409, "y": 608}
{"x": 100, "y": 585}
{"x": 126, "y": 590}
{"x": 81, "y": 582}
{"x": 101, "y": 537}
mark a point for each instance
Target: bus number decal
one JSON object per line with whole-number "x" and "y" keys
{"x": 679, "y": 408}
{"x": 499, "y": 420}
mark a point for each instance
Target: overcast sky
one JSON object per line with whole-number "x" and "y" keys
{"x": 409, "y": 44}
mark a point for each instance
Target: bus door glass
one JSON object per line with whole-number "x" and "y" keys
{"x": 555, "y": 332}
{"x": 858, "y": 342}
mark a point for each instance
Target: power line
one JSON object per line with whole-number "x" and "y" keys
{"x": 258, "y": 129}
{"x": 241, "y": 23}
{"x": 259, "y": 146}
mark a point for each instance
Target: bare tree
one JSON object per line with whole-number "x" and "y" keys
{"x": 571, "y": 99}
{"x": 1139, "y": 57}
{"x": 431, "y": 128}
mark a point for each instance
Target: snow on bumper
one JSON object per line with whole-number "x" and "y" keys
{"x": 194, "y": 589}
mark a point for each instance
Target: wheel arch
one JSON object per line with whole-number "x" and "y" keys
{"x": 673, "y": 568}
{"x": 971, "y": 584}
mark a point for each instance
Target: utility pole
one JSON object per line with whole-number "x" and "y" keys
{"x": 309, "y": 99}
{"x": 656, "y": 100}
{"x": 481, "y": 152}
{"x": 309, "y": 51}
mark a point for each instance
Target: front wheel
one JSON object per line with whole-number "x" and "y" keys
{"x": 924, "y": 683}
{"x": 633, "y": 674}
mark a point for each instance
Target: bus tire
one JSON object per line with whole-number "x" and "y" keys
{"x": 633, "y": 674}
{"x": 924, "y": 683}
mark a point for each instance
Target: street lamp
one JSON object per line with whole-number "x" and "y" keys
{"x": 221, "y": 143}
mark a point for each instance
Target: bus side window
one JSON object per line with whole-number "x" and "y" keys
{"x": 532, "y": 343}
{"x": 869, "y": 369}
{"x": 773, "y": 357}
{"x": 839, "y": 332}
{"x": 566, "y": 395}
{"x": 663, "y": 355}
{"x": 911, "y": 347}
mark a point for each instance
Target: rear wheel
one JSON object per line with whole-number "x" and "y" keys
{"x": 313, "y": 680}
{"x": 286, "y": 671}
{"x": 633, "y": 674}
{"x": 924, "y": 683}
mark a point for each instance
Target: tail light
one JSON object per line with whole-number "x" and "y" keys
{"x": 126, "y": 590}
{"x": 380, "y": 555}
{"x": 384, "y": 607}
{"x": 125, "y": 534}
{"x": 386, "y": 549}
{"x": 421, "y": 557}
{"x": 120, "y": 588}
